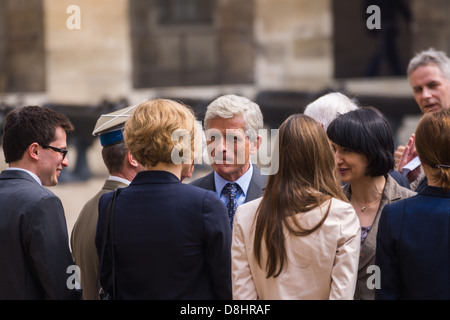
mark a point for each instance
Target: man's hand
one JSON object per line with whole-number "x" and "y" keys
{"x": 398, "y": 156}
{"x": 409, "y": 153}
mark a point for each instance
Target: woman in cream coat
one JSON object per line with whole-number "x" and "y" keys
{"x": 301, "y": 240}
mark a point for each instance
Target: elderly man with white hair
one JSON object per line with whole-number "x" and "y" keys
{"x": 232, "y": 125}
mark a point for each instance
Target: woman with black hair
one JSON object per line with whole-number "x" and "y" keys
{"x": 364, "y": 150}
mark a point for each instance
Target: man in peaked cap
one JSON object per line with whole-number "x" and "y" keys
{"x": 122, "y": 169}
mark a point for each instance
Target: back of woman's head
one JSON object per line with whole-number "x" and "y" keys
{"x": 305, "y": 156}
{"x": 306, "y": 178}
{"x": 432, "y": 144}
{"x": 157, "y": 129}
{"x": 366, "y": 131}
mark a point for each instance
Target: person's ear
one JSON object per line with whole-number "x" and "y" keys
{"x": 254, "y": 145}
{"x": 33, "y": 150}
{"x": 131, "y": 160}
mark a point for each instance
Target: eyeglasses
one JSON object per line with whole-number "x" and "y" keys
{"x": 62, "y": 151}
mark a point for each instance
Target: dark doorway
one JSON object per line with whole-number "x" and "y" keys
{"x": 363, "y": 52}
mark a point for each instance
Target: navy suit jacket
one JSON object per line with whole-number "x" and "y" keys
{"x": 171, "y": 240}
{"x": 34, "y": 244}
{"x": 413, "y": 247}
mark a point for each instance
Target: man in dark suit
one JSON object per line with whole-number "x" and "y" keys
{"x": 34, "y": 242}
{"x": 232, "y": 125}
{"x": 122, "y": 168}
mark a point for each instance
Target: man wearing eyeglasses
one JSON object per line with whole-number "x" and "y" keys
{"x": 34, "y": 242}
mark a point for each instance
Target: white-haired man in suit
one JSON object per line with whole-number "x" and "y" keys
{"x": 232, "y": 125}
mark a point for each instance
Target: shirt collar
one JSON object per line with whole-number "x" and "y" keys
{"x": 119, "y": 179}
{"x": 35, "y": 177}
{"x": 243, "y": 181}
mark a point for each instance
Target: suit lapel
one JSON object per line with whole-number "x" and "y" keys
{"x": 257, "y": 185}
{"x": 208, "y": 182}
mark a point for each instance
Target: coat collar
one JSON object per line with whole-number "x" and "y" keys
{"x": 18, "y": 174}
{"x": 145, "y": 177}
{"x": 435, "y": 192}
{"x": 112, "y": 185}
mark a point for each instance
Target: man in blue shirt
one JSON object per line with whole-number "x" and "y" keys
{"x": 232, "y": 125}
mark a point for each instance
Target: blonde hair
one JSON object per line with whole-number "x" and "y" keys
{"x": 162, "y": 130}
{"x": 432, "y": 141}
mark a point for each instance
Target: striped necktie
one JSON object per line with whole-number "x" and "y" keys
{"x": 231, "y": 189}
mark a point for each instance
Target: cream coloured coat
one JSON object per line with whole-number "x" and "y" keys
{"x": 322, "y": 265}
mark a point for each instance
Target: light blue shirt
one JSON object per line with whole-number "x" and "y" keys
{"x": 27, "y": 171}
{"x": 243, "y": 182}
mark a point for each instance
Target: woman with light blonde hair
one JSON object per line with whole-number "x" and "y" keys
{"x": 170, "y": 240}
{"x": 301, "y": 239}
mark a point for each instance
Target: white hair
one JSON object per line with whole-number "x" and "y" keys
{"x": 326, "y": 108}
{"x": 229, "y": 106}
{"x": 430, "y": 56}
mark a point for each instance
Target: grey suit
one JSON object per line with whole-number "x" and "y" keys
{"x": 255, "y": 189}
{"x": 34, "y": 242}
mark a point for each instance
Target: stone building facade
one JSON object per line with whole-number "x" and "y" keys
{"x": 282, "y": 53}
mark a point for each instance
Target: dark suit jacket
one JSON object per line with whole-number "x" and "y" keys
{"x": 83, "y": 240}
{"x": 34, "y": 245}
{"x": 413, "y": 247}
{"x": 255, "y": 189}
{"x": 172, "y": 240}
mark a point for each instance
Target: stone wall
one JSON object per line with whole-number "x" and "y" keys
{"x": 431, "y": 26}
{"x": 251, "y": 46}
{"x": 294, "y": 44}
{"x": 91, "y": 63}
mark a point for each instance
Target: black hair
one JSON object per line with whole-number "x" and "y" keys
{"x": 26, "y": 125}
{"x": 368, "y": 132}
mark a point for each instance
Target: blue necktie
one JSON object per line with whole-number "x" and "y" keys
{"x": 231, "y": 190}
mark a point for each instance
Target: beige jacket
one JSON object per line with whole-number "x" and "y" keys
{"x": 82, "y": 241}
{"x": 322, "y": 265}
{"x": 392, "y": 192}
